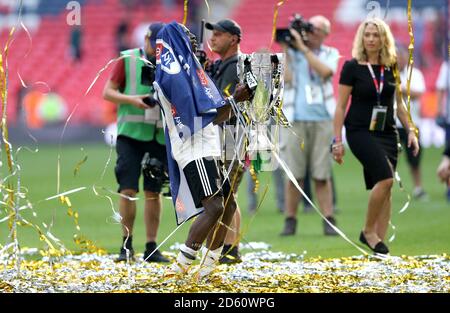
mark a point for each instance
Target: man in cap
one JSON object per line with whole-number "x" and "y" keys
{"x": 139, "y": 134}
{"x": 225, "y": 39}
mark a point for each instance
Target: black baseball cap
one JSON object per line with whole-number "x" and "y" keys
{"x": 227, "y": 26}
{"x": 153, "y": 31}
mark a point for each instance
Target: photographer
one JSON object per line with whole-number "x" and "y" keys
{"x": 140, "y": 133}
{"x": 310, "y": 66}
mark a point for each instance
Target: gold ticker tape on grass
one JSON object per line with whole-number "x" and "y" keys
{"x": 261, "y": 271}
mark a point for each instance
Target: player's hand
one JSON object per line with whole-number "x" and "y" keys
{"x": 241, "y": 93}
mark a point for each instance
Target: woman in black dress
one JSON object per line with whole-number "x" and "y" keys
{"x": 369, "y": 122}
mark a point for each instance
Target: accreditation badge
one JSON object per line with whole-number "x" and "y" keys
{"x": 378, "y": 120}
{"x": 314, "y": 94}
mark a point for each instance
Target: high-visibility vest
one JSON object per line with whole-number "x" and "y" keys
{"x": 133, "y": 122}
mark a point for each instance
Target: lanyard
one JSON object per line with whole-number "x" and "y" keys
{"x": 312, "y": 76}
{"x": 379, "y": 88}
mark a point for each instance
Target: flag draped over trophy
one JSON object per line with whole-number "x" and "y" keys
{"x": 192, "y": 98}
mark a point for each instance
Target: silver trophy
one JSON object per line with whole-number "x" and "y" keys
{"x": 263, "y": 73}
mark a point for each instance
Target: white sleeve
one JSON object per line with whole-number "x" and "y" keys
{"x": 331, "y": 58}
{"x": 417, "y": 81}
{"x": 442, "y": 80}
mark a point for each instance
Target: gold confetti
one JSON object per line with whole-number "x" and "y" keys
{"x": 78, "y": 166}
{"x": 261, "y": 271}
{"x": 185, "y": 10}
{"x": 275, "y": 17}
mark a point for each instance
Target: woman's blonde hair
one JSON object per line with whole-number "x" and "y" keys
{"x": 388, "y": 55}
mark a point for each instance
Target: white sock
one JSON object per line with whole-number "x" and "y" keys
{"x": 186, "y": 256}
{"x": 210, "y": 257}
{"x": 184, "y": 260}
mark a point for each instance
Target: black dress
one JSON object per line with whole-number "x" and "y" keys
{"x": 376, "y": 150}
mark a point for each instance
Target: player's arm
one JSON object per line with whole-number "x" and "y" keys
{"x": 225, "y": 112}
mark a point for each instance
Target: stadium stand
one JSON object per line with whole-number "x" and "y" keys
{"x": 46, "y": 57}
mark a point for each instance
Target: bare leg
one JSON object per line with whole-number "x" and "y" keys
{"x": 221, "y": 232}
{"x": 292, "y": 198}
{"x": 205, "y": 222}
{"x": 233, "y": 233}
{"x": 324, "y": 196}
{"x": 203, "y": 227}
{"x": 152, "y": 214}
{"x": 380, "y": 192}
{"x": 127, "y": 210}
{"x": 384, "y": 218}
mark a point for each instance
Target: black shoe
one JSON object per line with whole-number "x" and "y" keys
{"x": 230, "y": 256}
{"x": 123, "y": 255}
{"x": 380, "y": 247}
{"x": 362, "y": 238}
{"x": 290, "y": 226}
{"x": 157, "y": 257}
{"x": 327, "y": 229}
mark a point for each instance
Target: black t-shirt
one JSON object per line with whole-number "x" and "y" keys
{"x": 364, "y": 95}
{"x": 224, "y": 75}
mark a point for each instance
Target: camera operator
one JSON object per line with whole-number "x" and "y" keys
{"x": 140, "y": 133}
{"x": 310, "y": 67}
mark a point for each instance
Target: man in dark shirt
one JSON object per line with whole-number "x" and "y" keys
{"x": 226, "y": 36}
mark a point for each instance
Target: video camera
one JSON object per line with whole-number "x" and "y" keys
{"x": 157, "y": 170}
{"x": 299, "y": 24}
{"x": 200, "y": 51}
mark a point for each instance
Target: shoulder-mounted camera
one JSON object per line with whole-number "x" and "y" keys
{"x": 302, "y": 26}
{"x": 155, "y": 169}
